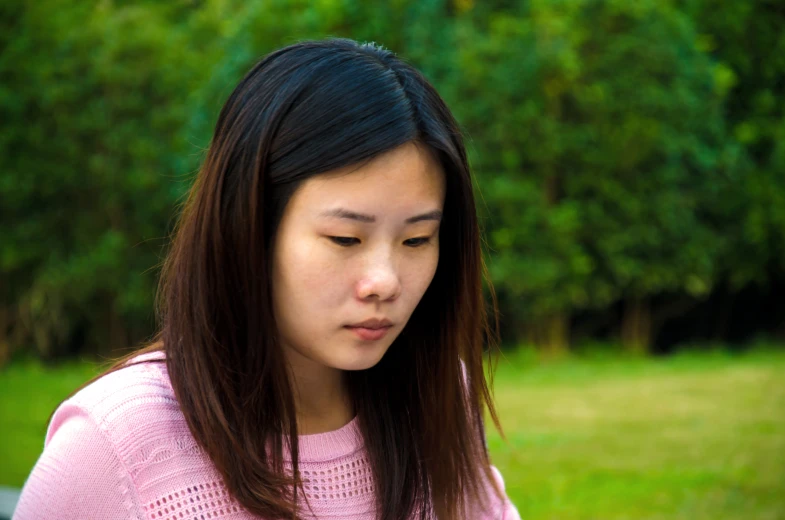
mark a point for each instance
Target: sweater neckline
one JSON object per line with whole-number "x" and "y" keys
{"x": 344, "y": 441}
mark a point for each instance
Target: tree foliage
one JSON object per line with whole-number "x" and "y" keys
{"x": 626, "y": 152}
{"x": 603, "y": 157}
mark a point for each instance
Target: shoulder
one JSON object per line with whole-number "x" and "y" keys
{"x": 78, "y": 476}
{"x": 93, "y": 446}
{"x": 132, "y": 414}
{"x": 134, "y": 390}
{"x": 128, "y": 406}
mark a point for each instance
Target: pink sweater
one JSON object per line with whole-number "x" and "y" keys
{"x": 121, "y": 449}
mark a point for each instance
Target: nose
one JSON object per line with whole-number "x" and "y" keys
{"x": 380, "y": 281}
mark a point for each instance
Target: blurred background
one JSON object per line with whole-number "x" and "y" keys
{"x": 630, "y": 165}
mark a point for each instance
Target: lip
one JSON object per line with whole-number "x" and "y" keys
{"x": 370, "y": 334}
{"x": 373, "y": 324}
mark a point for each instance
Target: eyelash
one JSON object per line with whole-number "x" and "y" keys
{"x": 350, "y": 241}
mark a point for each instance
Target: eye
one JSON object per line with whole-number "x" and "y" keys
{"x": 416, "y": 242}
{"x": 345, "y": 241}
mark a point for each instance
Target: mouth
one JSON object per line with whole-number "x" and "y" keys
{"x": 373, "y": 324}
{"x": 369, "y": 334}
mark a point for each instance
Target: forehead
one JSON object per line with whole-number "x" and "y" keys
{"x": 404, "y": 179}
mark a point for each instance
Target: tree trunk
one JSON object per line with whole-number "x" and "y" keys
{"x": 636, "y": 326}
{"x": 117, "y": 334}
{"x": 550, "y": 334}
{"x": 557, "y": 330}
{"x": 5, "y": 343}
{"x": 721, "y": 323}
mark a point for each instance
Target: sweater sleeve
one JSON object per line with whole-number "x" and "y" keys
{"x": 79, "y": 475}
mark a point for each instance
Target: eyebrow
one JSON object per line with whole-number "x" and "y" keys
{"x": 360, "y": 217}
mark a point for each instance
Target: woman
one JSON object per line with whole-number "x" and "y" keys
{"x": 324, "y": 285}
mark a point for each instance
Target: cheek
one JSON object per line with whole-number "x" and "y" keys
{"x": 311, "y": 275}
{"x": 419, "y": 277}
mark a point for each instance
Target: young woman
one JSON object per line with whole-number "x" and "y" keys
{"x": 322, "y": 321}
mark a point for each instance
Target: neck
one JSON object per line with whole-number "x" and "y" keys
{"x": 320, "y": 395}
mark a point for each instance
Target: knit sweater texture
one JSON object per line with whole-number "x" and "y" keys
{"x": 121, "y": 449}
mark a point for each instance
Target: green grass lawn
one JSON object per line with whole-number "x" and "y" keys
{"x": 689, "y": 437}
{"x": 697, "y": 436}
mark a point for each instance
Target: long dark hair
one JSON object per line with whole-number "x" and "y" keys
{"x": 303, "y": 110}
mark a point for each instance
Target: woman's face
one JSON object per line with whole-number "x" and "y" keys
{"x": 356, "y": 245}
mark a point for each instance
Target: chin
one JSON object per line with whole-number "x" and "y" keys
{"x": 360, "y": 361}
